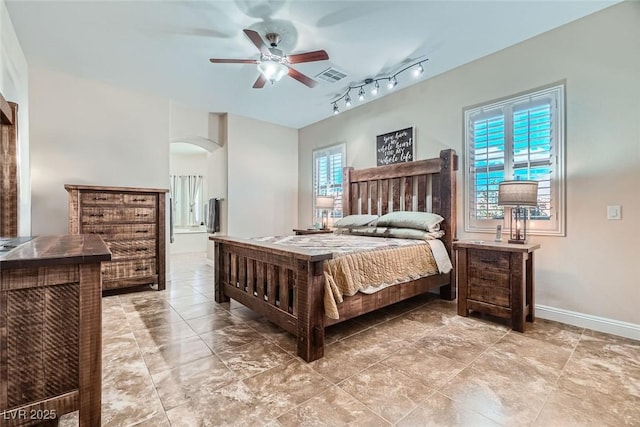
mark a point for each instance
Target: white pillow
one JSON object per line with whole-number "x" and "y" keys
{"x": 354, "y": 221}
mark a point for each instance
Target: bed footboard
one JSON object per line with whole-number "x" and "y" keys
{"x": 284, "y": 286}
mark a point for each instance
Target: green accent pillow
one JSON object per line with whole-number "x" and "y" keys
{"x": 412, "y": 233}
{"x": 354, "y": 221}
{"x": 426, "y": 221}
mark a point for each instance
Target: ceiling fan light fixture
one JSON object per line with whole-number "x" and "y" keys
{"x": 272, "y": 70}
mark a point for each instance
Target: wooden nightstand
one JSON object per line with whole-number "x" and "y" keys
{"x": 312, "y": 231}
{"x": 497, "y": 279}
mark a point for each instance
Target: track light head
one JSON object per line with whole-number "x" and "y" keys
{"x": 347, "y": 101}
{"x": 393, "y": 82}
{"x": 336, "y": 110}
{"x": 375, "y": 88}
{"x": 361, "y": 94}
{"x": 418, "y": 70}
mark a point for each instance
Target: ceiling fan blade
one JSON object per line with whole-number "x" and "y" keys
{"x": 317, "y": 55}
{"x": 257, "y": 40}
{"x": 308, "y": 81}
{"x": 233, "y": 61}
{"x": 260, "y": 82}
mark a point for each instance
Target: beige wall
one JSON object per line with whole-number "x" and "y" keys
{"x": 594, "y": 270}
{"x": 262, "y": 177}
{"x": 15, "y": 88}
{"x": 87, "y": 132}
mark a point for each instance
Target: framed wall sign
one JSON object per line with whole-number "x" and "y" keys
{"x": 395, "y": 147}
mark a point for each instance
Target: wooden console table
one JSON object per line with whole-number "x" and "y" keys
{"x": 496, "y": 278}
{"x": 51, "y": 329}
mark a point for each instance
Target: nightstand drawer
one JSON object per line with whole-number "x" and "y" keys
{"x": 490, "y": 294}
{"x": 488, "y": 259}
{"x": 488, "y": 277}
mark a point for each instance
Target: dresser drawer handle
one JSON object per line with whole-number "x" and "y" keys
{"x": 98, "y": 215}
{"x": 139, "y": 214}
{"x": 142, "y": 268}
{"x": 97, "y": 232}
{"x": 99, "y": 198}
{"x": 139, "y": 200}
{"x": 142, "y": 249}
{"x": 142, "y": 231}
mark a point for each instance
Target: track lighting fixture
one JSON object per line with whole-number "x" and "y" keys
{"x": 392, "y": 82}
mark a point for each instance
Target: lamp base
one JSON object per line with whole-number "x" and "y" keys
{"x": 518, "y": 241}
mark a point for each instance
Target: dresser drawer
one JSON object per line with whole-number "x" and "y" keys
{"x": 101, "y": 198}
{"x": 140, "y": 199}
{"x": 132, "y": 249}
{"x": 93, "y": 215}
{"x": 121, "y": 231}
{"x": 128, "y": 269}
{"x": 488, "y": 277}
{"x": 488, "y": 259}
{"x": 490, "y": 295}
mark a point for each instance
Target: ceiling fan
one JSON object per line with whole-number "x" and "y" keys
{"x": 273, "y": 63}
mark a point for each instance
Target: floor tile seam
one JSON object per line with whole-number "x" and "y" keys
{"x": 467, "y": 408}
{"x": 254, "y": 374}
{"x": 353, "y": 334}
{"x": 352, "y": 396}
{"x": 329, "y": 386}
{"x": 544, "y": 404}
{"x": 367, "y": 406}
{"x": 465, "y": 366}
{"x": 150, "y": 376}
{"x": 369, "y": 365}
{"x": 317, "y": 396}
{"x": 564, "y": 367}
{"x": 140, "y": 349}
{"x": 411, "y": 411}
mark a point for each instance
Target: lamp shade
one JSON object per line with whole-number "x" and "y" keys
{"x": 325, "y": 202}
{"x": 272, "y": 70}
{"x": 518, "y": 193}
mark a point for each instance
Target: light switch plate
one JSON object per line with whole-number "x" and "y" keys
{"x": 613, "y": 212}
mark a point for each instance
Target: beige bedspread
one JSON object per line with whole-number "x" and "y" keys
{"x": 347, "y": 274}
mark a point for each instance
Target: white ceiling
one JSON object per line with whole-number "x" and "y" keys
{"x": 163, "y": 47}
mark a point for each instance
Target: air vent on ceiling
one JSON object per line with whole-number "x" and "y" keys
{"x": 331, "y": 75}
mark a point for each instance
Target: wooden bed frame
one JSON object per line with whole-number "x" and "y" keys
{"x": 286, "y": 285}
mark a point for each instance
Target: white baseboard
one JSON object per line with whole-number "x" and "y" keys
{"x": 600, "y": 324}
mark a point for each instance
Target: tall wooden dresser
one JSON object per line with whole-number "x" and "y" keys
{"x": 131, "y": 221}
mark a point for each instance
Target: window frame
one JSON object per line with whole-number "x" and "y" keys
{"x": 326, "y": 151}
{"x": 556, "y": 225}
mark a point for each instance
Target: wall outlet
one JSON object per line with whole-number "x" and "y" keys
{"x": 614, "y": 212}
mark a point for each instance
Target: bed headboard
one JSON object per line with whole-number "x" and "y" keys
{"x": 423, "y": 185}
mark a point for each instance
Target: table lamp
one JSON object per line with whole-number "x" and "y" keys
{"x": 518, "y": 195}
{"x": 325, "y": 204}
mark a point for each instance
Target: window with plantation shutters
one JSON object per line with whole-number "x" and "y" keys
{"x": 517, "y": 138}
{"x": 327, "y": 177}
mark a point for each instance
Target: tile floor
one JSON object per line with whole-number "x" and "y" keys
{"x": 177, "y": 358}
